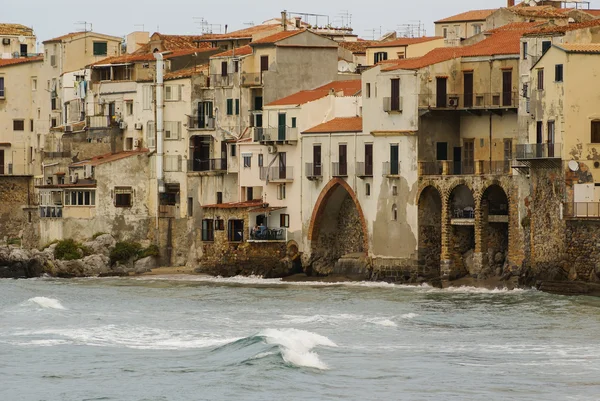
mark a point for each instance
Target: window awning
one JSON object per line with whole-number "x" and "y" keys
{"x": 267, "y": 209}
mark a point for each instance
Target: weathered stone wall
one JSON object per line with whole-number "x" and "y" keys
{"x": 463, "y": 242}
{"x": 583, "y": 249}
{"x": 174, "y": 239}
{"x": 17, "y": 222}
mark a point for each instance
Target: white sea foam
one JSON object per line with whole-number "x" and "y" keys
{"x": 409, "y": 315}
{"x": 383, "y": 322}
{"x": 49, "y": 303}
{"x": 296, "y": 346}
{"x": 478, "y": 290}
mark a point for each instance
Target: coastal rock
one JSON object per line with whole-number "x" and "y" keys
{"x": 499, "y": 258}
{"x": 69, "y": 268}
{"x": 145, "y": 265}
{"x": 101, "y": 245}
{"x": 469, "y": 261}
{"x": 19, "y": 255}
{"x": 96, "y": 265}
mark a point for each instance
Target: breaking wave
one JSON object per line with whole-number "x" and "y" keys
{"x": 48, "y": 303}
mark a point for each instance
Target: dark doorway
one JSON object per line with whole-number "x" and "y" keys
{"x": 539, "y": 138}
{"x": 457, "y": 160}
{"x": 441, "y": 151}
{"x": 394, "y": 160}
{"x": 507, "y": 88}
{"x": 23, "y": 50}
{"x": 343, "y": 160}
{"x": 395, "y": 101}
{"x": 468, "y": 89}
{"x": 369, "y": 159}
{"x": 469, "y": 156}
{"x": 201, "y": 153}
{"x": 281, "y": 127}
{"x": 264, "y": 63}
{"x": 282, "y": 166}
{"x": 317, "y": 160}
{"x": 1, "y": 161}
{"x": 442, "y": 92}
{"x": 235, "y": 230}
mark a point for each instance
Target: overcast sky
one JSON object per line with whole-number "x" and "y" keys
{"x": 52, "y": 18}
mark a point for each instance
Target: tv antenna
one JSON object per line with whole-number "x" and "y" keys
{"x": 85, "y": 25}
{"x": 205, "y": 27}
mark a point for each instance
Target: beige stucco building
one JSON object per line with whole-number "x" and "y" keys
{"x": 402, "y": 48}
{"x": 16, "y": 41}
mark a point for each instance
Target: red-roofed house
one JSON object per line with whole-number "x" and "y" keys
{"x": 402, "y": 48}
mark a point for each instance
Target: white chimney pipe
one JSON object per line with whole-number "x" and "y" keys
{"x": 159, "y": 121}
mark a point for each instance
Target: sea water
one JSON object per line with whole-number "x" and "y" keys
{"x": 201, "y": 338}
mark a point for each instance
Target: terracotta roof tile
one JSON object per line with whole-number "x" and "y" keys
{"x": 406, "y": 41}
{"x": 75, "y": 34}
{"x": 236, "y": 205}
{"x": 15, "y": 30}
{"x": 359, "y": 46}
{"x": 340, "y": 124}
{"x": 247, "y": 33}
{"x": 581, "y": 47}
{"x": 187, "y": 72}
{"x": 178, "y": 42}
{"x": 277, "y": 37}
{"x": 109, "y": 157}
{"x": 20, "y": 60}
{"x": 131, "y": 58}
{"x": 240, "y": 51}
{"x": 348, "y": 88}
{"x": 556, "y": 29}
{"x": 538, "y": 11}
{"x": 473, "y": 15}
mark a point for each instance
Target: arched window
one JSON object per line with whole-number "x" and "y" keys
{"x": 394, "y": 212}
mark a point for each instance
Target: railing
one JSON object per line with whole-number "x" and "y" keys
{"x": 251, "y": 79}
{"x": 364, "y": 170}
{"x": 479, "y": 167}
{"x": 98, "y": 121}
{"x": 581, "y": 210}
{"x": 313, "y": 171}
{"x": 275, "y": 134}
{"x": 268, "y": 234}
{"x": 461, "y": 168}
{"x": 51, "y": 212}
{"x": 339, "y": 169}
{"x": 496, "y": 167}
{"x": 539, "y": 151}
{"x": 219, "y": 80}
{"x": 391, "y": 169}
{"x": 470, "y": 100}
{"x": 14, "y": 169}
{"x": 206, "y": 123}
{"x": 277, "y": 173}
{"x": 56, "y": 155}
{"x": 202, "y": 165}
{"x": 392, "y": 105}
{"x": 431, "y": 168}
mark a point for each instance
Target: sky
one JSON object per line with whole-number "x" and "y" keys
{"x": 52, "y": 18}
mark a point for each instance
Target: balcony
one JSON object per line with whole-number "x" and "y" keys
{"x": 220, "y": 80}
{"x": 581, "y": 210}
{"x": 194, "y": 123}
{"x": 47, "y": 212}
{"x": 207, "y": 165}
{"x": 268, "y": 235}
{"x": 364, "y": 170}
{"x": 313, "y": 171}
{"x": 277, "y": 174}
{"x": 392, "y": 105}
{"x": 250, "y": 79}
{"x": 431, "y": 168}
{"x": 391, "y": 169}
{"x": 539, "y": 151}
{"x": 98, "y": 121}
{"x": 339, "y": 169}
{"x": 275, "y": 134}
{"x": 477, "y": 167}
{"x": 462, "y": 101}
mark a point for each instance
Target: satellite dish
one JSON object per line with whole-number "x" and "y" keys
{"x": 343, "y": 66}
{"x": 573, "y": 165}
{"x": 352, "y": 67}
{"x": 21, "y": 39}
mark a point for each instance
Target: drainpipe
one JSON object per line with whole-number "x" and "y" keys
{"x": 160, "y": 184}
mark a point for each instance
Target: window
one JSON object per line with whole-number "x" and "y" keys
{"x": 190, "y": 205}
{"x": 380, "y": 56}
{"x": 53, "y": 60}
{"x": 558, "y": 73}
{"x": 100, "y": 48}
{"x": 476, "y": 29}
{"x": 596, "y": 131}
{"x": 368, "y": 159}
{"x": 249, "y": 193}
{"x": 526, "y": 90}
{"x": 229, "y": 107}
{"x": 18, "y": 125}
{"x": 33, "y": 84}
{"x": 172, "y": 93}
{"x": 368, "y": 90}
{"x": 281, "y": 191}
{"x": 400, "y": 55}
{"x": 236, "y": 66}
{"x": 53, "y": 123}
{"x": 237, "y": 107}
{"x": 264, "y": 63}
{"x": 457, "y": 31}
{"x": 394, "y": 212}
{"x": 31, "y": 125}
{"x": 233, "y": 150}
{"x": 80, "y": 198}
{"x": 235, "y": 230}
{"x": 219, "y": 198}
{"x": 150, "y": 134}
{"x": 1, "y": 87}
{"x": 551, "y": 132}
{"x": 172, "y": 129}
{"x": 260, "y": 160}
{"x": 525, "y": 49}
{"x": 445, "y": 32}
{"x": 208, "y": 232}
{"x": 540, "y": 79}
{"x": 394, "y": 159}
{"x": 129, "y": 107}
{"x": 123, "y": 196}
{"x": 395, "y": 94}
{"x": 247, "y": 161}
{"x": 394, "y": 190}
{"x": 368, "y": 189}
{"x": 293, "y": 122}
{"x": 173, "y": 163}
{"x": 284, "y": 220}
{"x": 546, "y": 44}
{"x": 147, "y": 97}
{"x": 224, "y": 68}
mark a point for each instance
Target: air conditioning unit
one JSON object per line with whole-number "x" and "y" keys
{"x": 6, "y": 41}
{"x": 453, "y": 102}
{"x": 73, "y": 178}
{"x": 123, "y": 125}
{"x": 68, "y": 128}
{"x": 272, "y": 149}
{"x": 139, "y": 126}
{"x": 137, "y": 143}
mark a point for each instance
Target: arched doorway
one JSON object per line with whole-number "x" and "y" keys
{"x": 494, "y": 204}
{"x": 462, "y": 238}
{"x": 430, "y": 231}
{"x": 337, "y": 227}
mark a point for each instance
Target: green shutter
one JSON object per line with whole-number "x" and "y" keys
{"x": 100, "y": 48}
{"x": 293, "y": 122}
{"x": 229, "y": 107}
{"x": 237, "y": 107}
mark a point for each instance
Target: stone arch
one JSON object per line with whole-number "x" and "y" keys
{"x": 494, "y": 228}
{"x": 430, "y": 206}
{"x": 462, "y": 208}
{"x": 336, "y": 211}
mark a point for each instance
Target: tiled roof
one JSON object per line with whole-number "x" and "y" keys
{"x": 75, "y": 34}
{"x": 236, "y": 205}
{"x": 15, "y": 30}
{"x": 131, "y": 58}
{"x": 595, "y": 13}
{"x": 187, "y": 72}
{"x": 556, "y": 29}
{"x": 340, "y": 124}
{"x": 581, "y": 48}
{"x": 501, "y": 41}
{"x": 109, "y": 157}
{"x": 176, "y": 42}
{"x": 357, "y": 47}
{"x": 240, "y": 51}
{"x": 247, "y": 33}
{"x": 348, "y": 88}
{"x": 406, "y": 41}
{"x": 538, "y": 11}
{"x": 277, "y": 37}
{"x": 473, "y": 15}
{"x": 20, "y": 60}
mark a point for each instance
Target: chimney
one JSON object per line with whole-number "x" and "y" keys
{"x": 225, "y": 28}
{"x": 511, "y": 3}
{"x": 284, "y": 20}
{"x": 298, "y": 22}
